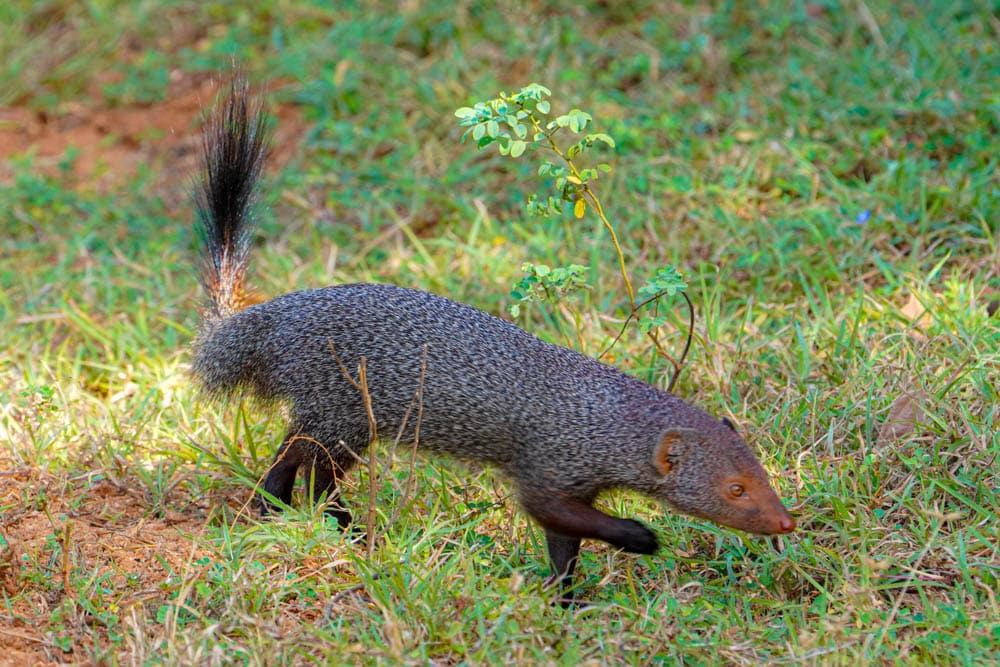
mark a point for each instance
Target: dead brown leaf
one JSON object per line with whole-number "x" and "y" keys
{"x": 918, "y": 315}
{"x": 903, "y": 419}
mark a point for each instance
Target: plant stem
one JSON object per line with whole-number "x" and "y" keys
{"x": 595, "y": 202}
{"x": 592, "y": 197}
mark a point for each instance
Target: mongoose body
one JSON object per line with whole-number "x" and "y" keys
{"x": 560, "y": 425}
{"x": 552, "y": 419}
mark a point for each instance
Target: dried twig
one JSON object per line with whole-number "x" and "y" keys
{"x": 418, "y": 400}
{"x": 678, "y": 364}
{"x": 372, "y": 437}
{"x": 67, "y": 527}
{"x": 343, "y": 369}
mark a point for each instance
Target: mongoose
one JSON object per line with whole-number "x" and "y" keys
{"x": 561, "y": 426}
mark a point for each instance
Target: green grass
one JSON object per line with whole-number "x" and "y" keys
{"x": 811, "y": 168}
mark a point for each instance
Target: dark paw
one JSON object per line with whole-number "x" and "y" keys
{"x": 345, "y": 524}
{"x": 266, "y": 507}
{"x": 636, "y": 538}
{"x": 565, "y": 591}
{"x": 342, "y": 516}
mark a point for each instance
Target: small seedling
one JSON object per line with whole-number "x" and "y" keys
{"x": 518, "y": 123}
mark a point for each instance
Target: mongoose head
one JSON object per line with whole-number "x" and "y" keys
{"x": 709, "y": 472}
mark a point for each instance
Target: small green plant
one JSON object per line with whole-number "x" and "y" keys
{"x": 517, "y": 123}
{"x": 548, "y": 284}
{"x": 544, "y": 283}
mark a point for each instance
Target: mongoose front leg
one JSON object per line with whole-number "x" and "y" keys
{"x": 563, "y": 552}
{"x": 574, "y": 518}
{"x": 567, "y": 520}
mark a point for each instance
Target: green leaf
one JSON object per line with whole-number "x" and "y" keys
{"x": 543, "y": 283}
{"x": 576, "y": 120}
{"x": 667, "y": 281}
{"x": 543, "y": 107}
{"x": 600, "y": 136}
{"x": 534, "y": 91}
{"x": 517, "y": 148}
{"x": 647, "y": 323}
{"x": 465, "y": 112}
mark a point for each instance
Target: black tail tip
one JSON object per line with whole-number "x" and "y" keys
{"x": 234, "y": 149}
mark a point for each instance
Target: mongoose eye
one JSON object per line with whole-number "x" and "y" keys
{"x": 736, "y": 490}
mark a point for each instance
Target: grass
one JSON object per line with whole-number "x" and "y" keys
{"x": 824, "y": 175}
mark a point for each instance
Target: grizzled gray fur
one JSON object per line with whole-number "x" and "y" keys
{"x": 551, "y": 418}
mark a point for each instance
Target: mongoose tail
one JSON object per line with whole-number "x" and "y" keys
{"x": 235, "y": 146}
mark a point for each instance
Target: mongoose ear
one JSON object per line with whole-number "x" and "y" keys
{"x": 670, "y": 449}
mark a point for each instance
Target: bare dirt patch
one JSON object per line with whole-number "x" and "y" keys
{"x": 112, "y": 142}
{"x": 77, "y": 550}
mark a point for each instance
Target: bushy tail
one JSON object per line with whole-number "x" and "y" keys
{"x": 235, "y": 145}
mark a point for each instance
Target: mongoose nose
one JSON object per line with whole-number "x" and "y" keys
{"x": 786, "y": 524}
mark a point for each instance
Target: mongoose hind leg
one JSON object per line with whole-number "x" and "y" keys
{"x": 280, "y": 478}
{"x": 325, "y": 465}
